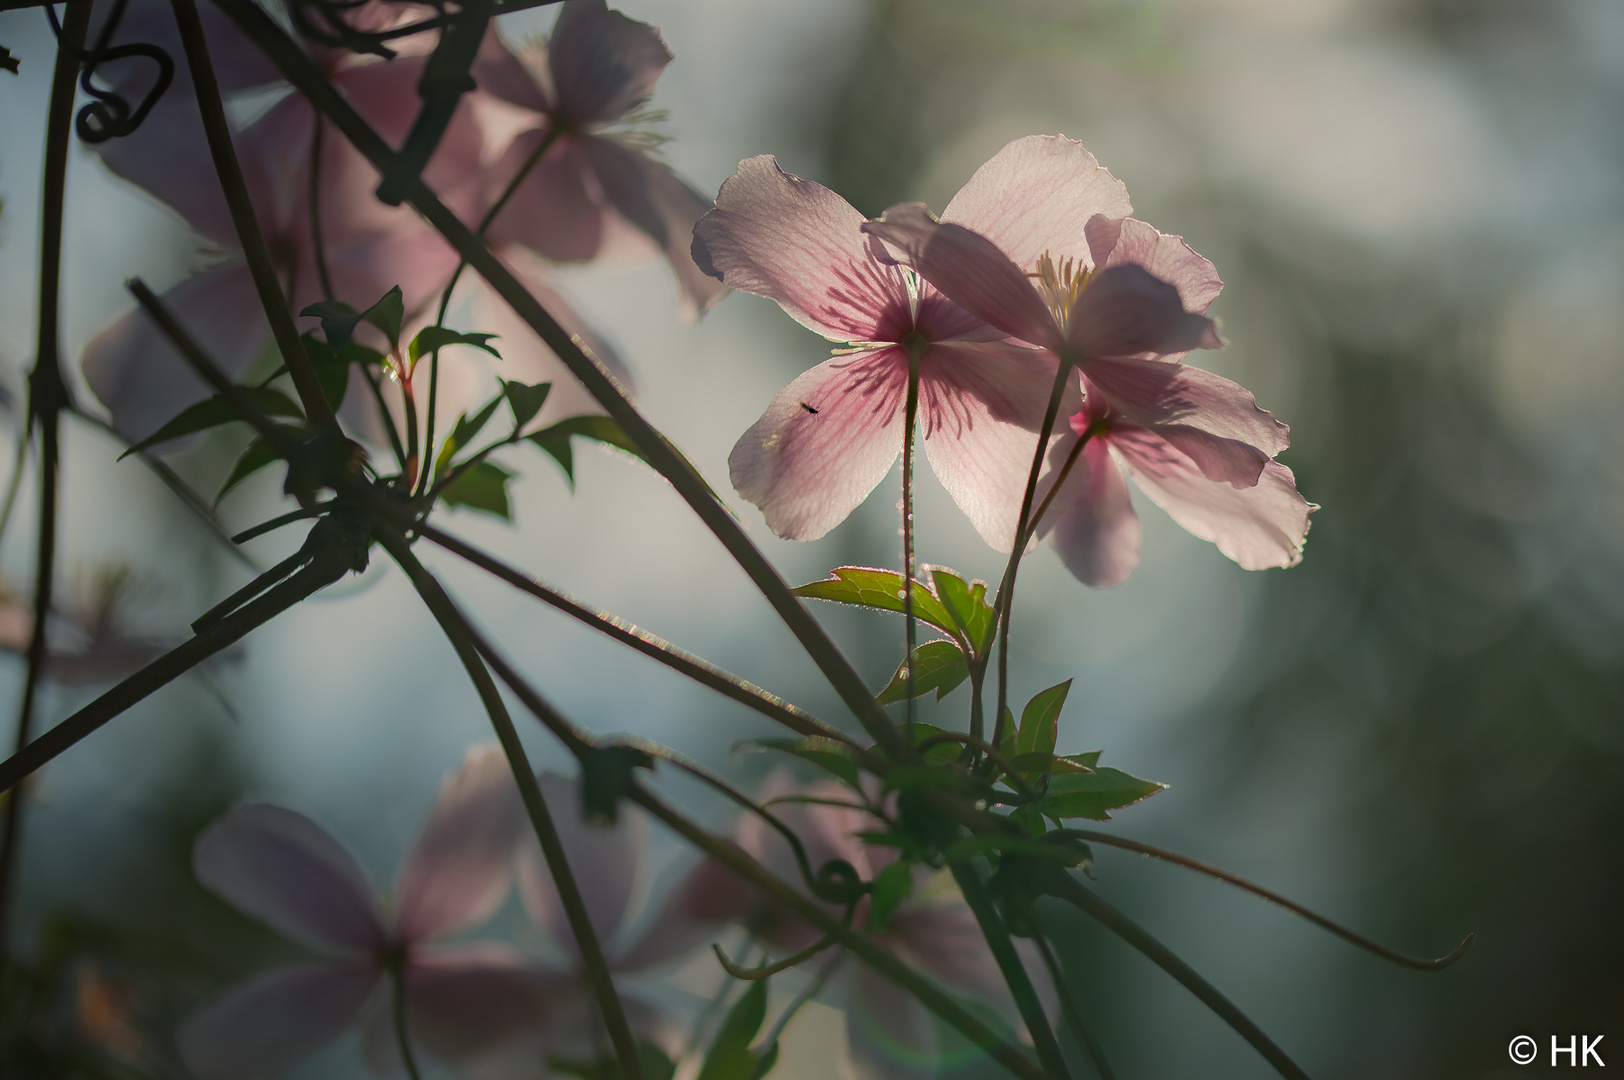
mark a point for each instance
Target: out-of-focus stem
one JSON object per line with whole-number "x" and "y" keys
{"x": 397, "y": 976}
{"x": 255, "y": 251}
{"x": 47, "y": 397}
{"x": 552, "y": 848}
{"x": 1074, "y": 1015}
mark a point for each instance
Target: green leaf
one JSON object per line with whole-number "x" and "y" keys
{"x": 215, "y": 411}
{"x": 867, "y": 587}
{"x": 258, "y": 455}
{"x": 938, "y": 666}
{"x": 1067, "y": 853}
{"x": 940, "y": 754}
{"x": 339, "y": 320}
{"x": 1091, "y": 794}
{"x": 1054, "y": 763}
{"x": 891, "y": 886}
{"x": 911, "y": 777}
{"x": 966, "y": 605}
{"x": 333, "y": 369}
{"x": 730, "y": 1056}
{"x": 1040, "y": 721}
{"x": 766, "y": 1060}
{"x": 463, "y": 432}
{"x": 556, "y": 439}
{"x": 831, "y": 755}
{"x": 482, "y": 486}
{"x": 525, "y": 399}
{"x": 438, "y": 337}
{"x": 606, "y": 779}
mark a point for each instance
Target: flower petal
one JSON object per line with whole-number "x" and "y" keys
{"x": 1259, "y": 527}
{"x": 512, "y": 77}
{"x": 144, "y": 381}
{"x": 1167, "y": 258}
{"x": 797, "y": 242}
{"x": 603, "y": 64}
{"x": 604, "y": 860}
{"x": 705, "y": 899}
{"x": 557, "y": 210}
{"x": 1037, "y": 195}
{"x": 824, "y": 443}
{"x": 269, "y": 1023}
{"x": 1151, "y": 393}
{"x": 458, "y": 872}
{"x": 1125, "y": 310}
{"x": 1092, "y": 523}
{"x": 969, "y": 269}
{"x": 169, "y": 157}
{"x": 660, "y": 204}
{"x": 285, "y": 870}
{"x": 238, "y": 63}
{"x": 980, "y": 409}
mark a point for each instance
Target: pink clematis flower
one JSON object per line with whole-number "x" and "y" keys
{"x": 595, "y": 193}
{"x": 830, "y": 437}
{"x": 1123, "y": 303}
{"x": 462, "y": 1002}
{"x": 889, "y": 1032}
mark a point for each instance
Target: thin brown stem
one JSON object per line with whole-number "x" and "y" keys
{"x": 258, "y": 255}
{"x": 910, "y": 623}
{"x": 456, "y": 630}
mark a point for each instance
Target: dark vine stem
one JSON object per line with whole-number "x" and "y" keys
{"x": 651, "y": 645}
{"x": 1074, "y": 1015}
{"x": 910, "y": 414}
{"x": 1004, "y": 602}
{"x": 255, "y": 251}
{"x": 457, "y": 631}
{"x": 1401, "y": 959}
{"x": 1067, "y": 888}
{"x": 1009, "y": 962}
{"x": 47, "y": 397}
{"x": 302, "y": 73}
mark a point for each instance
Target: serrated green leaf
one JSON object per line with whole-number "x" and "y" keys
{"x": 831, "y": 755}
{"x": 339, "y": 320}
{"x": 482, "y": 486}
{"x": 1040, "y": 720}
{"x": 525, "y": 399}
{"x": 938, "y": 666}
{"x": 1053, "y": 763}
{"x": 940, "y": 754}
{"x": 556, "y": 439}
{"x": 966, "y": 604}
{"x": 865, "y": 586}
{"x": 606, "y": 779}
{"x": 730, "y": 1057}
{"x": 258, "y": 455}
{"x": 215, "y": 411}
{"x": 439, "y": 337}
{"x": 1091, "y": 794}
{"x": 463, "y": 432}
{"x": 891, "y": 886}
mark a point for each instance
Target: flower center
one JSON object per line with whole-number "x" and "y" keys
{"x": 1061, "y": 283}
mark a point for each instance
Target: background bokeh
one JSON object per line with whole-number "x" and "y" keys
{"x": 1415, "y": 205}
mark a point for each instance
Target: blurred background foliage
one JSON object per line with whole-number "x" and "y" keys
{"x": 1415, "y": 205}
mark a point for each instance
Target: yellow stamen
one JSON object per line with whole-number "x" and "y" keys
{"x": 1061, "y": 284}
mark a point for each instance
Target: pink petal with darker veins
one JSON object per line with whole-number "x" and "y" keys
{"x": 459, "y": 869}
{"x": 285, "y": 870}
{"x": 1125, "y": 310}
{"x": 969, "y": 270}
{"x": 1167, "y": 258}
{"x": 274, "y": 1020}
{"x": 1151, "y": 393}
{"x": 824, "y": 443}
{"x": 1092, "y": 522}
{"x": 603, "y": 64}
{"x": 980, "y": 408}
{"x": 604, "y": 860}
{"x": 1260, "y": 527}
{"x": 1037, "y": 195}
{"x": 144, "y": 381}
{"x": 797, "y": 242}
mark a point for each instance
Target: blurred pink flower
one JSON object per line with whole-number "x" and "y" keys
{"x": 462, "y": 1002}
{"x": 607, "y": 861}
{"x": 596, "y": 193}
{"x": 889, "y": 1032}
{"x": 830, "y": 437}
{"x": 89, "y": 636}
